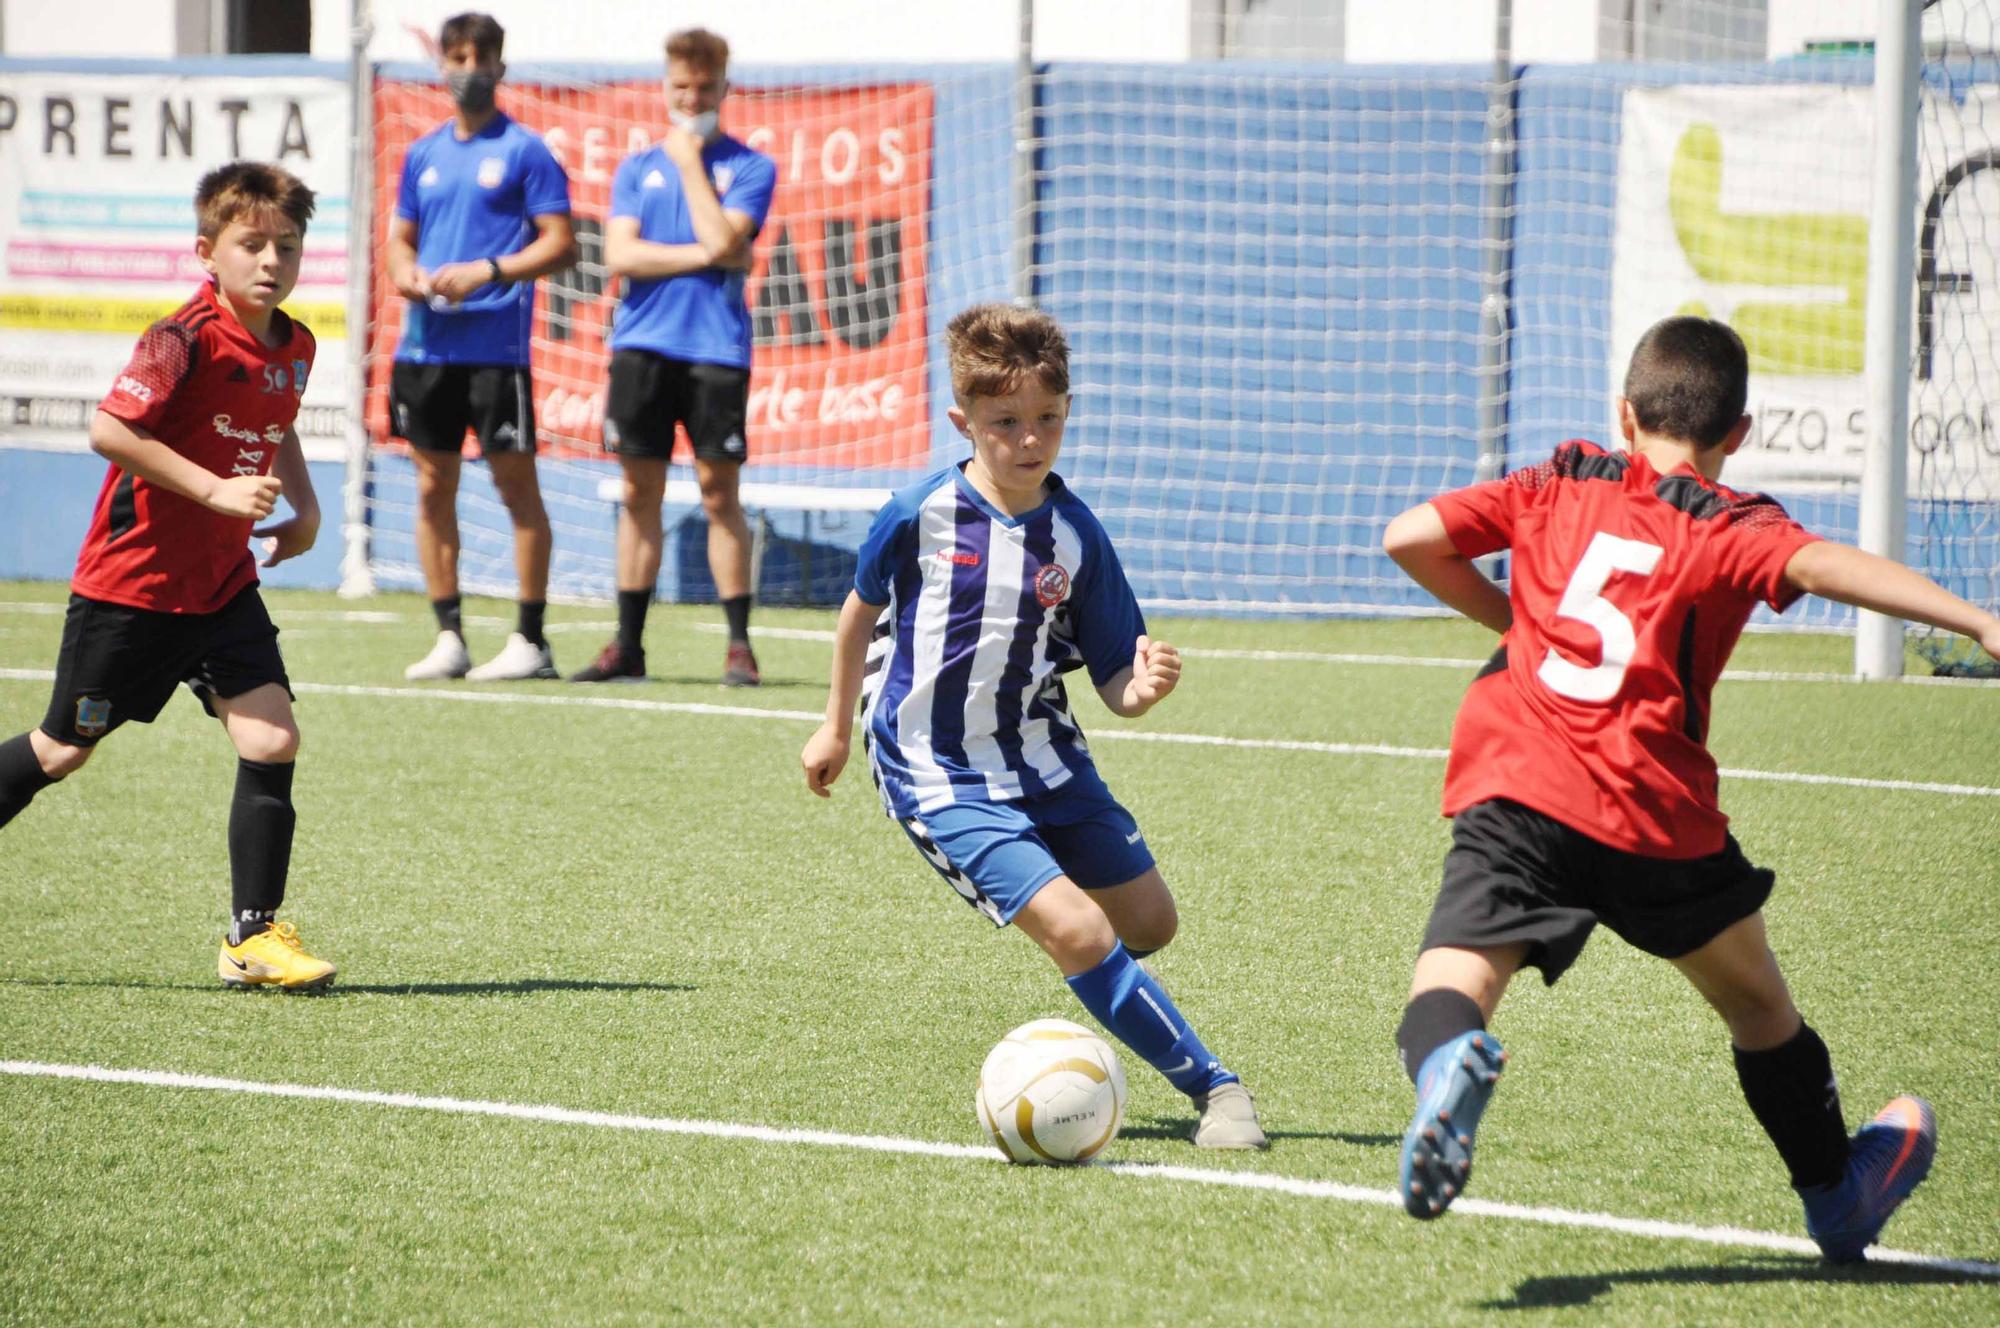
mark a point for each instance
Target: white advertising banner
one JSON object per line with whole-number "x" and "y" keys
{"x": 1751, "y": 204}
{"x": 97, "y": 180}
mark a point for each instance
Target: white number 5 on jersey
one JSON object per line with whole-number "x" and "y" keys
{"x": 1583, "y": 599}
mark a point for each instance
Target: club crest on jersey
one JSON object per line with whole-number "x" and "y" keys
{"x": 1051, "y": 585}
{"x": 492, "y": 170}
{"x": 93, "y": 716}
{"x": 298, "y": 377}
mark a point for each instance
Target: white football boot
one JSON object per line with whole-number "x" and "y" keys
{"x": 446, "y": 660}
{"x": 519, "y": 658}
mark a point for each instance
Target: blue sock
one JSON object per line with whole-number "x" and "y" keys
{"x": 1130, "y": 1002}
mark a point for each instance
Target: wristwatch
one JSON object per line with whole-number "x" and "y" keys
{"x": 493, "y": 267}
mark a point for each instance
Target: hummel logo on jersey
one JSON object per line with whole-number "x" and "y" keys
{"x": 653, "y": 180}
{"x": 967, "y": 559}
{"x": 239, "y": 375}
{"x": 428, "y": 178}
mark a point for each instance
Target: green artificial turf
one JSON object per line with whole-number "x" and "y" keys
{"x": 642, "y": 911}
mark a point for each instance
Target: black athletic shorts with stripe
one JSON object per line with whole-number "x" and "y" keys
{"x": 648, "y": 394}
{"x": 432, "y": 405}
{"x": 1513, "y": 874}
{"x": 119, "y": 663}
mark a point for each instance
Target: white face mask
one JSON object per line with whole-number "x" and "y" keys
{"x": 704, "y": 126}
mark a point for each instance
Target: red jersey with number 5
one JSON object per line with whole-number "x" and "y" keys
{"x": 1630, "y": 589}
{"x": 206, "y": 386}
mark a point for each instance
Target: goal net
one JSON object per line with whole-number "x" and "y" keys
{"x": 1309, "y": 278}
{"x": 1954, "y": 436}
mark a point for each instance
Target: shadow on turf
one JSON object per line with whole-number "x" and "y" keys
{"x": 1167, "y": 1127}
{"x": 1537, "y": 1293}
{"x": 520, "y": 987}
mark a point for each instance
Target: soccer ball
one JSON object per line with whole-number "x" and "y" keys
{"x": 1051, "y": 1091}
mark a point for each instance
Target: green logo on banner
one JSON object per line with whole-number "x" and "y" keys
{"x": 1773, "y": 249}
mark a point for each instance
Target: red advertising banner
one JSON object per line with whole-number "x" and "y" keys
{"x": 836, "y": 295}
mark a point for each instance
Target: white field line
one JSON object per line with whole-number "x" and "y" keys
{"x": 372, "y": 617}
{"x": 875, "y": 1143}
{"x": 600, "y": 702}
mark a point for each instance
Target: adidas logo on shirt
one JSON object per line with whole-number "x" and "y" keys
{"x": 239, "y": 375}
{"x": 653, "y": 180}
{"x": 428, "y": 178}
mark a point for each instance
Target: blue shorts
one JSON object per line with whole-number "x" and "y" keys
{"x": 997, "y": 854}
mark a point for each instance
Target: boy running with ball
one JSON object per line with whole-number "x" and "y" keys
{"x": 984, "y": 583}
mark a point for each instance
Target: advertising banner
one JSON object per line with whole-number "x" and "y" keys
{"x": 1751, "y": 204}
{"x": 97, "y": 181}
{"x": 836, "y": 294}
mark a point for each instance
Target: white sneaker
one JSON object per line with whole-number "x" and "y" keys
{"x": 519, "y": 658}
{"x": 446, "y": 660}
{"x": 1228, "y": 1119}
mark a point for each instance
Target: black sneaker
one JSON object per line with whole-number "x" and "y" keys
{"x": 614, "y": 663}
{"x": 739, "y": 669}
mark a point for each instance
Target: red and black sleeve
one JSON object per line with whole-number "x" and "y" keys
{"x": 161, "y": 362}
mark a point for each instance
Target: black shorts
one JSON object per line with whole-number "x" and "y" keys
{"x": 120, "y": 664}
{"x": 432, "y": 405}
{"x": 649, "y": 394}
{"x": 1516, "y": 875}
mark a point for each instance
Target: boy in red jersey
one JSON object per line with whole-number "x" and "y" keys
{"x": 198, "y": 430}
{"x": 1580, "y": 784}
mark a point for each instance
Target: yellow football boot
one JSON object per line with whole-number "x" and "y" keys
{"x": 273, "y": 957}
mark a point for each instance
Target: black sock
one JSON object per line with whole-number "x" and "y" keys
{"x": 447, "y": 612}
{"x": 21, "y": 776}
{"x": 1791, "y": 1090}
{"x": 531, "y": 621}
{"x": 737, "y": 610}
{"x": 632, "y": 605}
{"x": 1431, "y": 1019}
{"x": 260, "y": 837}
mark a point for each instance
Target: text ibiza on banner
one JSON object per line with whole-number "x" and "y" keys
{"x": 836, "y": 295}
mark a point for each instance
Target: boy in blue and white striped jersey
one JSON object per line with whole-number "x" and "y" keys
{"x": 982, "y": 584}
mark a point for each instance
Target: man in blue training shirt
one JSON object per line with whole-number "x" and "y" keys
{"x": 683, "y": 215}
{"x": 483, "y": 209}
{"x": 989, "y": 581}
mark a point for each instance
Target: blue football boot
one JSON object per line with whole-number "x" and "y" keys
{"x": 1452, "y": 1087}
{"x": 1890, "y": 1156}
